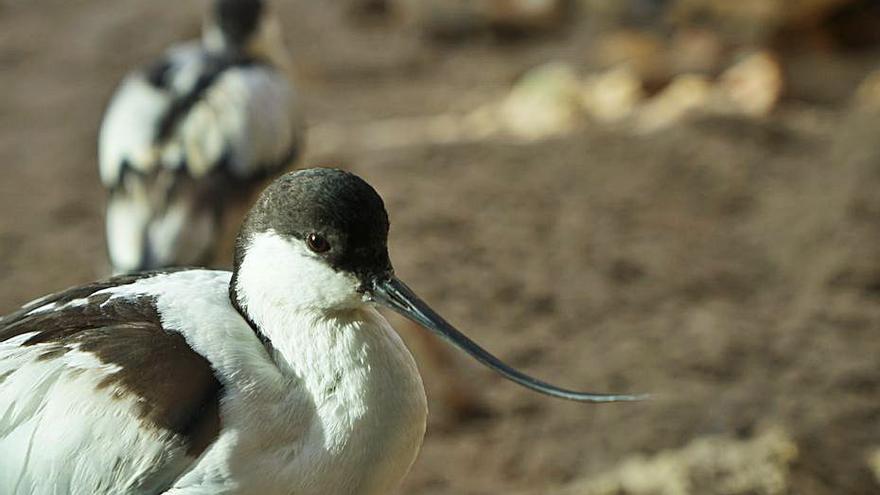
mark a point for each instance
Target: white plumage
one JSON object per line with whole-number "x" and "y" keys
{"x": 46, "y": 411}
{"x": 282, "y": 432}
{"x": 193, "y": 133}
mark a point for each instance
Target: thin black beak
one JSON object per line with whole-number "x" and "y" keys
{"x": 394, "y": 294}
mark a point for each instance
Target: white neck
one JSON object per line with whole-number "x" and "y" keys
{"x": 367, "y": 394}
{"x": 290, "y": 293}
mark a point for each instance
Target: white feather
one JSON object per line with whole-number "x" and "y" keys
{"x": 128, "y": 130}
{"x": 41, "y": 309}
{"x": 57, "y": 433}
{"x": 248, "y": 121}
{"x": 127, "y": 218}
{"x": 251, "y": 111}
{"x": 338, "y": 409}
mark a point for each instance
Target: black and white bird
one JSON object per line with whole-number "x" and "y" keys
{"x": 194, "y": 134}
{"x": 279, "y": 377}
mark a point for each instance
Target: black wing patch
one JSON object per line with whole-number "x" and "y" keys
{"x": 215, "y": 66}
{"x": 158, "y": 73}
{"x": 10, "y": 322}
{"x": 176, "y": 386}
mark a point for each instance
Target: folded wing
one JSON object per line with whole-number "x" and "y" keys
{"x": 97, "y": 397}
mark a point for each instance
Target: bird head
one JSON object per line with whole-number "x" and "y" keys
{"x": 316, "y": 241}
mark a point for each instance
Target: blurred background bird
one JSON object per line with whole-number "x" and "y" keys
{"x": 188, "y": 139}
{"x": 683, "y": 190}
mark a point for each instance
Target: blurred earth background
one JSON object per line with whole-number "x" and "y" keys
{"x": 679, "y": 197}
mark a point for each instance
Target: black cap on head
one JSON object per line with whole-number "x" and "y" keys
{"x": 341, "y": 218}
{"x": 238, "y": 19}
{"x": 337, "y": 206}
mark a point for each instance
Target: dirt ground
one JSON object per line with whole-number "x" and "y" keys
{"x": 729, "y": 266}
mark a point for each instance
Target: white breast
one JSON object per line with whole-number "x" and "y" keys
{"x": 350, "y": 422}
{"x": 339, "y": 408}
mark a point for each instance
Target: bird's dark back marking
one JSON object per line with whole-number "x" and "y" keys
{"x": 157, "y": 73}
{"x": 215, "y": 66}
{"x": 176, "y": 386}
{"x": 10, "y": 323}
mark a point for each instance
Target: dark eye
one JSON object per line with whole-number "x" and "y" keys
{"x": 317, "y": 243}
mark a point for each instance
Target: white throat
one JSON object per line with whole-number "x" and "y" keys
{"x": 295, "y": 299}
{"x": 363, "y": 383}
{"x": 278, "y": 272}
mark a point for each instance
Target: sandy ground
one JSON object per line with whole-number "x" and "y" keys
{"x": 728, "y": 266}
